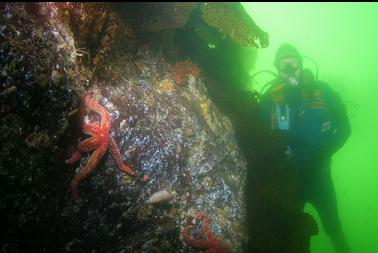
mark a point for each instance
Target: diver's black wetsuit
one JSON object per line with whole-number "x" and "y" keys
{"x": 316, "y": 127}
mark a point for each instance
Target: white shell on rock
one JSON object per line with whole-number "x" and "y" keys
{"x": 164, "y": 195}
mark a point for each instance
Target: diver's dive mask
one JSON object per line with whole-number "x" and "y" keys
{"x": 289, "y": 70}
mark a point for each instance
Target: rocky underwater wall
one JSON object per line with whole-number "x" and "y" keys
{"x": 188, "y": 190}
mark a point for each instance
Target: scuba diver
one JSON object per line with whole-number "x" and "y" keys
{"x": 313, "y": 123}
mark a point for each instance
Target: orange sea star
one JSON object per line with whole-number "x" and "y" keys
{"x": 211, "y": 243}
{"x": 99, "y": 142}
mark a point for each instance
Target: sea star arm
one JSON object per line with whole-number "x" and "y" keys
{"x": 196, "y": 243}
{"x": 85, "y": 145}
{"x": 206, "y": 229}
{"x": 91, "y": 129}
{"x": 89, "y": 167}
{"x": 89, "y": 144}
{"x": 118, "y": 158}
{"x": 94, "y": 106}
{"x": 74, "y": 158}
{"x": 211, "y": 243}
{"x": 217, "y": 245}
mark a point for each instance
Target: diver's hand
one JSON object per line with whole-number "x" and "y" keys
{"x": 289, "y": 153}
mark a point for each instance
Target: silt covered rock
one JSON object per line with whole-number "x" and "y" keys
{"x": 180, "y": 146}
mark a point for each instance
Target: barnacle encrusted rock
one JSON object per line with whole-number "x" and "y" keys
{"x": 232, "y": 20}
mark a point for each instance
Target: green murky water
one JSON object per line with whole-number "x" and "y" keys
{"x": 342, "y": 38}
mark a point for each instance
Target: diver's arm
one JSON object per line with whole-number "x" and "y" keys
{"x": 304, "y": 153}
{"x": 339, "y": 112}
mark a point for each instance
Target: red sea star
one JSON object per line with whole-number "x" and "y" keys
{"x": 99, "y": 141}
{"x": 211, "y": 244}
